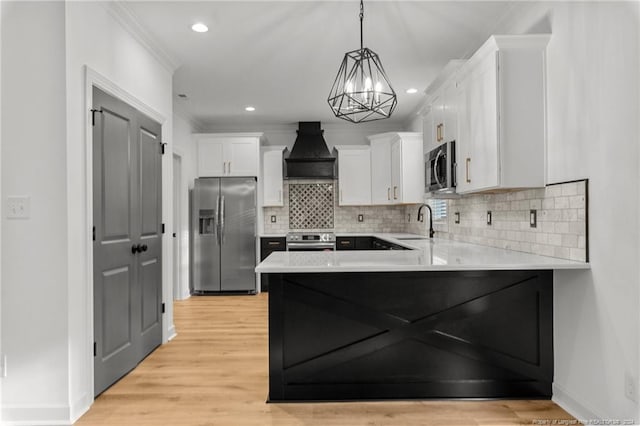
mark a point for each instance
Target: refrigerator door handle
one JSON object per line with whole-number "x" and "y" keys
{"x": 218, "y": 220}
{"x": 222, "y": 215}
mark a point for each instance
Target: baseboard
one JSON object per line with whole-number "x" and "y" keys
{"x": 32, "y": 415}
{"x": 172, "y": 333}
{"x": 572, "y": 406}
{"x": 185, "y": 296}
{"x": 80, "y": 407}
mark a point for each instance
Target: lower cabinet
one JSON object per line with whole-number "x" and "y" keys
{"x": 365, "y": 243}
{"x": 267, "y": 246}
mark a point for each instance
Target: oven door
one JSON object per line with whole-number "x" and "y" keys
{"x": 315, "y": 246}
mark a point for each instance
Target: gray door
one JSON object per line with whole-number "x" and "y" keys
{"x": 238, "y": 234}
{"x": 127, "y": 238}
{"x": 206, "y": 235}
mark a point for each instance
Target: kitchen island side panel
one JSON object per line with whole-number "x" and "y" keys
{"x": 402, "y": 335}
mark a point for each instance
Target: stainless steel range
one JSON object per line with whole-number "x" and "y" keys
{"x": 311, "y": 241}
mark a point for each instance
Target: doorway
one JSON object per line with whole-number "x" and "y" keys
{"x": 127, "y": 243}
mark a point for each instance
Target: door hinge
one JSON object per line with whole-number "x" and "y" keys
{"x": 162, "y": 147}
{"x": 93, "y": 115}
{"x": 163, "y": 228}
{"x": 95, "y": 349}
{"x": 94, "y": 233}
{"x": 162, "y": 308}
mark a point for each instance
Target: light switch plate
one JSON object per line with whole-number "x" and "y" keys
{"x": 456, "y": 215}
{"x": 533, "y": 218}
{"x": 489, "y": 217}
{"x": 360, "y": 218}
{"x": 18, "y": 207}
{"x": 273, "y": 218}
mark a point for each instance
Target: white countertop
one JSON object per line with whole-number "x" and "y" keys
{"x": 427, "y": 255}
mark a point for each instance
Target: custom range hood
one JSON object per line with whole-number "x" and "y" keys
{"x": 310, "y": 158}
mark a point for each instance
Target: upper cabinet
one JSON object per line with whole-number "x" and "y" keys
{"x": 397, "y": 168}
{"x": 228, "y": 154}
{"x": 501, "y": 118}
{"x": 440, "y": 117}
{"x": 272, "y": 176}
{"x": 354, "y": 175}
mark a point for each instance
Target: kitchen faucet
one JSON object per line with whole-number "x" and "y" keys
{"x": 421, "y": 218}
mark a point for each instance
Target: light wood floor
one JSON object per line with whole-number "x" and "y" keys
{"x": 215, "y": 372}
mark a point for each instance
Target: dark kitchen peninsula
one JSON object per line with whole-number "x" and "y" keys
{"x": 426, "y": 323}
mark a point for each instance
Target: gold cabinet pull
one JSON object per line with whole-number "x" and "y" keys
{"x": 467, "y": 167}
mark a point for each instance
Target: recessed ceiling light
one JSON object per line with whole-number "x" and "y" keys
{"x": 199, "y": 27}
{"x": 250, "y": 109}
{"x": 412, "y": 90}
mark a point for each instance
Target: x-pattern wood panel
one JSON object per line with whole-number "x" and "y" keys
{"x": 430, "y": 330}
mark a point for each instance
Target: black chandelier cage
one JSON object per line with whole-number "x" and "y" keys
{"x": 362, "y": 91}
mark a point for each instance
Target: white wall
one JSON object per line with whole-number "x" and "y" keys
{"x": 593, "y": 113}
{"x": 184, "y": 145}
{"x": 95, "y": 38}
{"x": 592, "y": 89}
{"x": 34, "y": 257}
{"x": 47, "y": 300}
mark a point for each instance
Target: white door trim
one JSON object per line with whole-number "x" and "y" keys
{"x": 94, "y": 78}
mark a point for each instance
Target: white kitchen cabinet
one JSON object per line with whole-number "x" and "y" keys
{"x": 441, "y": 109}
{"x": 397, "y": 168}
{"x": 501, "y": 122}
{"x": 229, "y": 154}
{"x": 272, "y": 176}
{"x": 354, "y": 175}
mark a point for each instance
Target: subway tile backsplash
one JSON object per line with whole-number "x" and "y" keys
{"x": 561, "y": 228}
{"x": 345, "y": 219}
{"x": 561, "y": 216}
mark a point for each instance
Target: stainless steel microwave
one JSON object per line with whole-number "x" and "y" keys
{"x": 440, "y": 169}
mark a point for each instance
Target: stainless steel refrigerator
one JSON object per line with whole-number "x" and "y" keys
{"x": 223, "y": 217}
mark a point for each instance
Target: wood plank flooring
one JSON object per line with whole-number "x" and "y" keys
{"x": 215, "y": 372}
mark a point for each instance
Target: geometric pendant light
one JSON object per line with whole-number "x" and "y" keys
{"x": 361, "y": 91}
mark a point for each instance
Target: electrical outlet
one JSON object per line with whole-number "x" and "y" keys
{"x": 489, "y": 217}
{"x": 630, "y": 390}
{"x": 273, "y": 218}
{"x": 360, "y": 218}
{"x": 18, "y": 207}
{"x": 533, "y": 218}
{"x": 456, "y": 215}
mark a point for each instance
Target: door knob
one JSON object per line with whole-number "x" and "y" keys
{"x": 135, "y": 248}
{"x": 143, "y": 247}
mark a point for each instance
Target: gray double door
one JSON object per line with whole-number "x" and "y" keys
{"x": 127, "y": 247}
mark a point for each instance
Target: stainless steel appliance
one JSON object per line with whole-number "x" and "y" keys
{"x": 312, "y": 241}
{"x": 440, "y": 170}
{"x": 224, "y": 235}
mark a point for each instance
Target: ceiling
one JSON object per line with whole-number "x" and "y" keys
{"x": 282, "y": 56}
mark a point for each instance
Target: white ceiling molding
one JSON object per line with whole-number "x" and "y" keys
{"x": 121, "y": 12}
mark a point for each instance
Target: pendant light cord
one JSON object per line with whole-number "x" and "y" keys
{"x": 361, "y": 18}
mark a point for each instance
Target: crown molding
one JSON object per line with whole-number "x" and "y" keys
{"x": 128, "y": 20}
